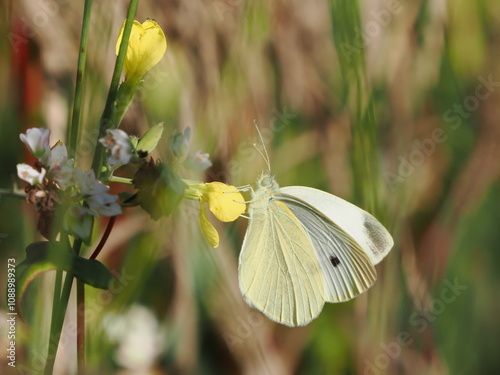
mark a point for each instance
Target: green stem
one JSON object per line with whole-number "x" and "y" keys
{"x": 57, "y": 325}
{"x": 122, "y": 180}
{"x": 108, "y": 114}
{"x": 125, "y": 96}
{"x": 12, "y": 194}
{"x": 80, "y": 70}
{"x": 193, "y": 182}
{"x": 193, "y": 191}
{"x": 56, "y": 300}
{"x": 58, "y": 316}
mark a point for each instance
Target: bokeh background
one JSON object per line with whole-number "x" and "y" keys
{"x": 392, "y": 105}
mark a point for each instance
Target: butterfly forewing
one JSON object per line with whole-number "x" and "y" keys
{"x": 346, "y": 268}
{"x": 279, "y": 271}
{"x": 360, "y": 225}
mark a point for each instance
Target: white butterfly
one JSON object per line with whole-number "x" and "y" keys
{"x": 304, "y": 247}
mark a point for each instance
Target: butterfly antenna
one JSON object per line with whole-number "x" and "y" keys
{"x": 264, "y": 155}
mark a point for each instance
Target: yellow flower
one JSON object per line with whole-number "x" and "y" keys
{"x": 208, "y": 230}
{"x": 146, "y": 47}
{"x": 224, "y": 201}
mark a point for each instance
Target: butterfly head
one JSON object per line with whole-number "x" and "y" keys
{"x": 266, "y": 183}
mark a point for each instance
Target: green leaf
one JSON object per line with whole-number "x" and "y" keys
{"x": 160, "y": 190}
{"x": 150, "y": 140}
{"x": 41, "y": 257}
{"x": 48, "y": 256}
{"x": 92, "y": 272}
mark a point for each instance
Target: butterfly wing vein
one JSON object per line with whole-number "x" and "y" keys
{"x": 354, "y": 273}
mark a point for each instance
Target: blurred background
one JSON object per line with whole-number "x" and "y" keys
{"x": 392, "y": 105}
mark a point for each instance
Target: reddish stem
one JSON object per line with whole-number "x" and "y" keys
{"x": 104, "y": 238}
{"x": 80, "y": 325}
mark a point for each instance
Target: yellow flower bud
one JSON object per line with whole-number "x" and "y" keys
{"x": 146, "y": 47}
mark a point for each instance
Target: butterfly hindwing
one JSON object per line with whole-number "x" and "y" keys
{"x": 347, "y": 269}
{"x": 360, "y": 225}
{"x": 279, "y": 271}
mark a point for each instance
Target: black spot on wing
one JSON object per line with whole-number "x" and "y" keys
{"x": 334, "y": 261}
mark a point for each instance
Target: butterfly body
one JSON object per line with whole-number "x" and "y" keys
{"x": 305, "y": 247}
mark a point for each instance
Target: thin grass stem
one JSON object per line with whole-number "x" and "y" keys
{"x": 107, "y": 115}
{"x": 74, "y": 126}
{"x": 58, "y": 316}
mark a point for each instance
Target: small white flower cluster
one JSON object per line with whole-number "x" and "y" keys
{"x": 118, "y": 142}
{"x": 179, "y": 143}
{"x": 140, "y": 338}
{"x": 88, "y": 195}
{"x": 55, "y": 160}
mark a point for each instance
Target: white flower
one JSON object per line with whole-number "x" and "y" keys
{"x": 78, "y": 221}
{"x": 140, "y": 338}
{"x": 58, "y": 155}
{"x": 61, "y": 169}
{"x": 88, "y": 184}
{"x": 95, "y": 194}
{"x": 30, "y": 175}
{"x": 64, "y": 176}
{"x": 179, "y": 142}
{"x": 119, "y": 143}
{"x": 198, "y": 161}
{"x": 104, "y": 204}
{"x": 37, "y": 140}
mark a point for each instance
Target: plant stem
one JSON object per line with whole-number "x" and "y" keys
{"x": 80, "y": 70}
{"x": 122, "y": 180}
{"x": 109, "y": 109}
{"x": 60, "y": 308}
{"x": 58, "y": 316}
{"x": 58, "y": 324}
{"x": 12, "y": 194}
{"x": 104, "y": 237}
{"x": 56, "y": 299}
{"x": 80, "y": 325}
{"x": 60, "y": 301}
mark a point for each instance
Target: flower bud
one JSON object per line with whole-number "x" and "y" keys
{"x": 37, "y": 140}
{"x": 146, "y": 46}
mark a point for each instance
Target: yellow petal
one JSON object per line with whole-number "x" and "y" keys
{"x": 225, "y": 201}
{"x": 146, "y": 47}
{"x": 208, "y": 230}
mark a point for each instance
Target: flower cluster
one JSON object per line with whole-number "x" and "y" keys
{"x": 179, "y": 144}
{"x": 55, "y": 179}
{"x": 52, "y": 163}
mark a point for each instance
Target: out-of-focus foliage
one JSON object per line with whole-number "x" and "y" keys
{"x": 393, "y": 105}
